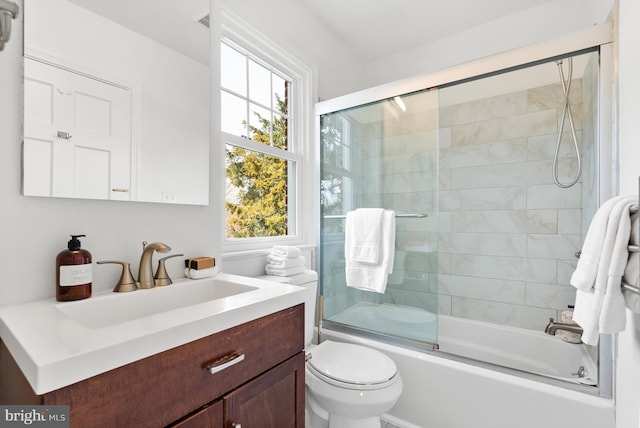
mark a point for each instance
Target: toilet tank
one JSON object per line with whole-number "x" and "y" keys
{"x": 309, "y": 280}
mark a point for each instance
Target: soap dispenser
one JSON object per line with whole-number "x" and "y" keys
{"x": 74, "y": 272}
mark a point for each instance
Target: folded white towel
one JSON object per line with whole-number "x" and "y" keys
{"x": 367, "y": 276}
{"x": 599, "y": 306}
{"x": 285, "y": 262}
{"x": 284, "y": 271}
{"x": 201, "y": 273}
{"x": 286, "y": 251}
{"x": 362, "y": 234}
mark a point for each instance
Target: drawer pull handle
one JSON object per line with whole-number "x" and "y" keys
{"x": 224, "y": 362}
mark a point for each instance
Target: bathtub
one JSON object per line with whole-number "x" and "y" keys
{"x": 476, "y": 382}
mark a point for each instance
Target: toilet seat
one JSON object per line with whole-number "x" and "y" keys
{"x": 352, "y": 366}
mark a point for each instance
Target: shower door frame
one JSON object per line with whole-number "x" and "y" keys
{"x": 598, "y": 37}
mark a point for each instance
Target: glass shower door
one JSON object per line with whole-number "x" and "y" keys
{"x": 383, "y": 155}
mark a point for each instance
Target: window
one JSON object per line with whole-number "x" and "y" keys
{"x": 264, "y": 133}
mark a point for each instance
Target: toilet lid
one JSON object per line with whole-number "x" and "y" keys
{"x": 351, "y": 364}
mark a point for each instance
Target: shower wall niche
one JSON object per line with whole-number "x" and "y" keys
{"x": 500, "y": 239}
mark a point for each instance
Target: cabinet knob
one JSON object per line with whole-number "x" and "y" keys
{"x": 234, "y": 425}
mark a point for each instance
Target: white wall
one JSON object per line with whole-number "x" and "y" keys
{"x": 628, "y": 367}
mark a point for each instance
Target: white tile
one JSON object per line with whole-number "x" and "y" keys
{"x": 550, "y": 296}
{"x": 542, "y": 221}
{"x": 502, "y": 313}
{"x": 552, "y": 246}
{"x": 423, "y": 243}
{"x": 544, "y": 146}
{"x": 539, "y": 270}
{"x": 550, "y": 196}
{"x": 490, "y": 244}
{"x": 565, "y": 270}
{"x": 505, "y": 105}
{"x": 498, "y": 152}
{"x": 498, "y": 221}
{"x": 508, "y": 268}
{"x": 484, "y": 199}
{"x": 503, "y": 175}
{"x": 482, "y": 288}
{"x": 444, "y": 137}
{"x": 570, "y": 221}
{"x": 537, "y": 123}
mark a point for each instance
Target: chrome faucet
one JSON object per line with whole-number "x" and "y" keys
{"x": 145, "y": 272}
{"x": 553, "y": 326}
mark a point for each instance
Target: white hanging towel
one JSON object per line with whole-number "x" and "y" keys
{"x": 363, "y": 230}
{"x": 599, "y": 306}
{"x": 361, "y": 271}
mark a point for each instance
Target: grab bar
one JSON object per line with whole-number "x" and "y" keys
{"x": 398, "y": 215}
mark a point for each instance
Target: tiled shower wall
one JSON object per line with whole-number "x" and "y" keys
{"x": 500, "y": 241}
{"x": 508, "y": 234}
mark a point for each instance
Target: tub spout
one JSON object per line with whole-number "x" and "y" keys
{"x": 553, "y": 326}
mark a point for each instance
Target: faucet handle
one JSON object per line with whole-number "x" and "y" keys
{"x": 126, "y": 281}
{"x": 162, "y": 277}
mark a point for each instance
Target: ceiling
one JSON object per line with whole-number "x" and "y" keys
{"x": 374, "y": 29}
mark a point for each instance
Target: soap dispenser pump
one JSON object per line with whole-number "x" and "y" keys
{"x": 74, "y": 272}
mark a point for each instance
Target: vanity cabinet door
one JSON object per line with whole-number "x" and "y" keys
{"x": 211, "y": 416}
{"x": 273, "y": 400}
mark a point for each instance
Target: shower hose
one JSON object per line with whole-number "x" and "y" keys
{"x": 566, "y": 112}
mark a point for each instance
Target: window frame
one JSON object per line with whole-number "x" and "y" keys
{"x": 239, "y": 35}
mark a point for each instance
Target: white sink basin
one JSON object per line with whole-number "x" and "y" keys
{"x": 115, "y": 308}
{"x": 59, "y": 343}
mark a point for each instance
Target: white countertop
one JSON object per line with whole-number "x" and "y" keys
{"x": 54, "y": 351}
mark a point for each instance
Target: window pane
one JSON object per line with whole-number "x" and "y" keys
{"x": 256, "y": 194}
{"x": 259, "y": 84}
{"x": 280, "y": 132}
{"x": 260, "y": 124}
{"x": 234, "y": 114}
{"x": 233, "y": 70}
{"x": 280, "y": 94}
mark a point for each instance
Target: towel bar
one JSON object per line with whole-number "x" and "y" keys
{"x": 633, "y": 249}
{"x": 398, "y": 215}
{"x": 631, "y": 288}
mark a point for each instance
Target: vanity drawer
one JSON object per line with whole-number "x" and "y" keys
{"x": 160, "y": 389}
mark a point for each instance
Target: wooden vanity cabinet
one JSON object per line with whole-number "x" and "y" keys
{"x": 262, "y": 386}
{"x": 273, "y": 400}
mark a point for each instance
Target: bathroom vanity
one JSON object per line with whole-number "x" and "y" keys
{"x": 248, "y": 372}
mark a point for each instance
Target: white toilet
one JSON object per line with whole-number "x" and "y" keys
{"x": 348, "y": 386}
